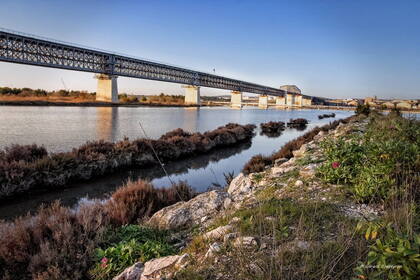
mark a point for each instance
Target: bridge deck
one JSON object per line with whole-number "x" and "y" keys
{"x": 28, "y": 49}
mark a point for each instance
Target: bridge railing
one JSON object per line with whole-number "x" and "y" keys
{"x": 25, "y": 49}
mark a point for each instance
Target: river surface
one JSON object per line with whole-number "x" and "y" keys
{"x": 60, "y": 129}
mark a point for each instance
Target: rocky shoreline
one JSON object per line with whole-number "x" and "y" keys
{"x": 216, "y": 226}
{"x": 331, "y": 204}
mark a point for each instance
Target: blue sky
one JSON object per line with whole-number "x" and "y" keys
{"x": 352, "y": 48}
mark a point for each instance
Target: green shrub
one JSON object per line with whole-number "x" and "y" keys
{"x": 126, "y": 246}
{"x": 343, "y": 160}
{"x": 362, "y": 109}
{"x": 391, "y": 255}
{"x": 375, "y": 164}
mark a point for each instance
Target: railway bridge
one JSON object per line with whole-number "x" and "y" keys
{"x": 16, "y": 47}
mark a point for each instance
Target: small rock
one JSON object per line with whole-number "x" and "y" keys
{"x": 301, "y": 152}
{"x": 298, "y": 183}
{"x": 214, "y": 248}
{"x": 247, "y": 241}
{"x": 229, "y": 237}
{"x": 235, "y": 220}
{"x": 227, "y": 203}
{"x": 205, "y": 218}
{"x": 276, "y": 171}
{"x": 280, "y": 161}
{"x": 217, "y": 232}
{"x": 270, "y": 218}
{"x": 308, "y": 171}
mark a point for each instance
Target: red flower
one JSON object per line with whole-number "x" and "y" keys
{"x": 104, "y": 260}
{"x": 335, "y": 164}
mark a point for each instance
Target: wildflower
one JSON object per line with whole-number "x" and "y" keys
{"x": 104, "y": 262}
{"x": 335, "y": 164}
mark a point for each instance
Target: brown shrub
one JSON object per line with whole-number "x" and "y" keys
{"x": 256, "y": 164}
{"x": 58, "y": 242}
{"x": 27, "y": 153}
{"x": 96, "y": 150}
{"x": 140, "y": 199}
{"x": 270, "y": 127}
{"x": 297, "y": 123}
{"x": 24, "y": 168}
{"x": 184, "y": 145}
{"x": 176, "y": 132}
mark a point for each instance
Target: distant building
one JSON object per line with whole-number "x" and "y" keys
{"x": 291, "y": 88}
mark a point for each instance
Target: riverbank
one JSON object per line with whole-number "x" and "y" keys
{"x": 88, "y": 104}
{"x": 28, "y": 168}
{"x": 315, "y": 214}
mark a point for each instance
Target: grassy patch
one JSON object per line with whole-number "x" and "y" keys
{"x": 277, "y": 217}
{"x": 375, "y": 163}
{"x": 126, "y": 246}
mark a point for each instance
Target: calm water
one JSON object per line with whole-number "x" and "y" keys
{"x": 62, "y": 128}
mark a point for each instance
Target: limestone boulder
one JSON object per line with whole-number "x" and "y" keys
{"x": 240, "y": 187}
{"x": 187, "y": 213}
{"x": 133, "y": 272}
{"x": 164, "y": 267}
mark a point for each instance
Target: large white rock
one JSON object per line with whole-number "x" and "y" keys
{"x": 191, "y": 212}
{"x": 240, "y": 187}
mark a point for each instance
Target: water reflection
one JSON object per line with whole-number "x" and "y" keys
{"x": 191, "y": 116}
{"x": 101, "y": 187}
{"x": 107, "y": 123}
{"x": 63, "y": 128}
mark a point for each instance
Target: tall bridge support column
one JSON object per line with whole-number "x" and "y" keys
{"x": 290, "y": 99}
{"x": 298, "y": 100}
{"x": 192, "y": 95}
{"x": 280, "y": 101}
{"x": 236, "y": 99}
{"x": 107, "y": 89}
{"x": 263, "y": 101}
{"x": 307, "y": 102}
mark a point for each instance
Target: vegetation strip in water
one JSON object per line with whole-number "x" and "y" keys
{"x": 30, "y": 167}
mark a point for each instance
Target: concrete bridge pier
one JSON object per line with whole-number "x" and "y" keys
{"x": 107, "y": 89}
{"x": 263, "y": 101}
{"x": 290, "y": 99}
{"x": 192, "y": 95}
{"x": 236, "y": 99}
{"x": 280, "y": 101}
{"x": 298, "y": 100}
{"x": 306, "y": 102}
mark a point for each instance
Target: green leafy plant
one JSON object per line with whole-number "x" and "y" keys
{"x": 391, "y": 255}
{"x": 126, "y": 246}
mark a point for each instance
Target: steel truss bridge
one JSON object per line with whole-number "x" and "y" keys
{"x": 27, "y": 49}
